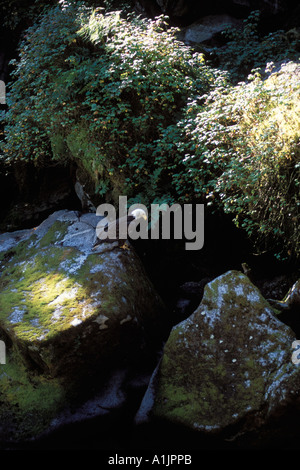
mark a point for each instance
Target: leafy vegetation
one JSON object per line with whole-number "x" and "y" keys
{"x": 241, "y": 149}
{"x": 102, "y": 89}
{"x": 145, "y": 116}
{"x": 247, "y": 48}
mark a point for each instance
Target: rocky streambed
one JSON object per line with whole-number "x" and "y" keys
{"x": 96, "y": 358}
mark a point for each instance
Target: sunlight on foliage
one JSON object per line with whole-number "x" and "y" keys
{"x": 106, "y": 87}
{"x": 242, "y": 150}
{"x": 146, "y": 117}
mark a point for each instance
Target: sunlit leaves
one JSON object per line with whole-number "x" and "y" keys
{"x": 122, "y": 81}
{"x": 146, "y": 117}
{"x": 241, "y": 151}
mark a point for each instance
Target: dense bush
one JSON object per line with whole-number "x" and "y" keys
{"x": 102, "y": 89}
{"x": 241, "y": 149}
{"x": 147, "y": 118}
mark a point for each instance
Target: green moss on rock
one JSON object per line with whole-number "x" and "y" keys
{"x": 230, "y": 359}
{"x": 29, "y": 401}
{"x": 68, "y": 313}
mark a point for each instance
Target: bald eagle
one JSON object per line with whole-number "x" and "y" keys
{"x": 111, "y": 229}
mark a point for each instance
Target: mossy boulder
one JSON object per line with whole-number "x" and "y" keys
{"x": 228, "y": 366}
{"x": 68, "y": 313}
{"x": 29, "y": 400}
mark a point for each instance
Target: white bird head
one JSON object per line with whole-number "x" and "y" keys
{"x": 139, "y": 213}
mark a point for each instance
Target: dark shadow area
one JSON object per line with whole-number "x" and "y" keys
{"x": 180, "y": 275}
{"x": 29, "y": 194}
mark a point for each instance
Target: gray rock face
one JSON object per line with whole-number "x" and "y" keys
{"x": 207, "y": 27}
{"x": 230, "y": 363}
{"x": 62, "y": 303}
{"x": 67, "y": 315}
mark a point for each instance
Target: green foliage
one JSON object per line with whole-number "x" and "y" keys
{"x": 146, "y": 117}
{"x": 241, "y": 150}
{"x": 247, "y": 49}
{"x": 108, "y": 86}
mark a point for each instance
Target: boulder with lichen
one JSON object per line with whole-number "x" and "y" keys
{"x": 67, "y": 315}
{"x": 228, "y": 367}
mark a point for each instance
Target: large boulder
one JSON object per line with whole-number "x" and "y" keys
{"x": 67, "y": 315}
{"x": 228, "y": 368}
